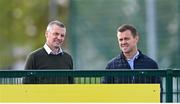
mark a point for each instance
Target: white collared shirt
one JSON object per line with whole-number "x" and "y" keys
{"x": 48, "y": 50}
{"x": 131, "y": 61}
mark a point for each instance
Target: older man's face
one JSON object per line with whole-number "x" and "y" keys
{"x": 55, "y": 37}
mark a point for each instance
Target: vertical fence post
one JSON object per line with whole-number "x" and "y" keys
{"x": 169, "y": 86}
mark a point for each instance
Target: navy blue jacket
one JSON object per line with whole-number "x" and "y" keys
{"x": 141, "y": 62}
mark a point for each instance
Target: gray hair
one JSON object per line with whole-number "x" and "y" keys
{"x": 56, "y": 22}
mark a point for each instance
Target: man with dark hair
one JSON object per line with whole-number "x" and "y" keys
{"x": 130, "y": 58}
{"x": 51, "y": 55}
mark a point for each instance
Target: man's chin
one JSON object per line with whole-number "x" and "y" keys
{"x": 125, "y": 51}
{"x": 57, "y": 46}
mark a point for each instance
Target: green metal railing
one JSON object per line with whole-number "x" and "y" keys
{"x": 170, "y": 79}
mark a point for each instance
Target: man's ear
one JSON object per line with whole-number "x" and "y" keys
{"x": 137, "y": 38}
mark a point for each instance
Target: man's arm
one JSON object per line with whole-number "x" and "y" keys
{"x": 30, "y": 62}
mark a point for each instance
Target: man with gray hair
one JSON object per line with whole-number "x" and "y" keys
{"x": 50, "y": 56}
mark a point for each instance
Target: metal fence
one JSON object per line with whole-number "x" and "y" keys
{"x": 169, "y": 79}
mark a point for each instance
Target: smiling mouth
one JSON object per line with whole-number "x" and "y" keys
{"x": 124, "y": 46}
{"x": 58, "y": 42}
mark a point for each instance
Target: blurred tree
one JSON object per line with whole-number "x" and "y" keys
{"x": 93, "y": 25}
{"x": 21, "y": 24}
{"x": 167, "y": 26}
{"x": 22, "y": 28}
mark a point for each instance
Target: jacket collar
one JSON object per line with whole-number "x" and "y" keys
{"x": 123, "y": 57}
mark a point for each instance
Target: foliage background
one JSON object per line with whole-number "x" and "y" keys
{"x": 91, "y": 29}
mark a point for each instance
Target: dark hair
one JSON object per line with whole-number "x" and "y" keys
{"x": 58, "y": 23}
{"x": 125, "y": 27}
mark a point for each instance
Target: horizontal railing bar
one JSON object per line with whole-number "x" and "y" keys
{"x": 88, "y": 73}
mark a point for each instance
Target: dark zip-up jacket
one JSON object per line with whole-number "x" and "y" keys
{"x": 141, "y": 62}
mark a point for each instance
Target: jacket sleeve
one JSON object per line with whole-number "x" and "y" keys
{"x": 107, "y": 79}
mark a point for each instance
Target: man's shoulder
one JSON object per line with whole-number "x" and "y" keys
{"x": 115, "y": 62}
{"x": 115, "y": 59}
{"x": 38, "y": 52}
{"x": 147, "y": 60}
{"x": 66, "y": 54}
